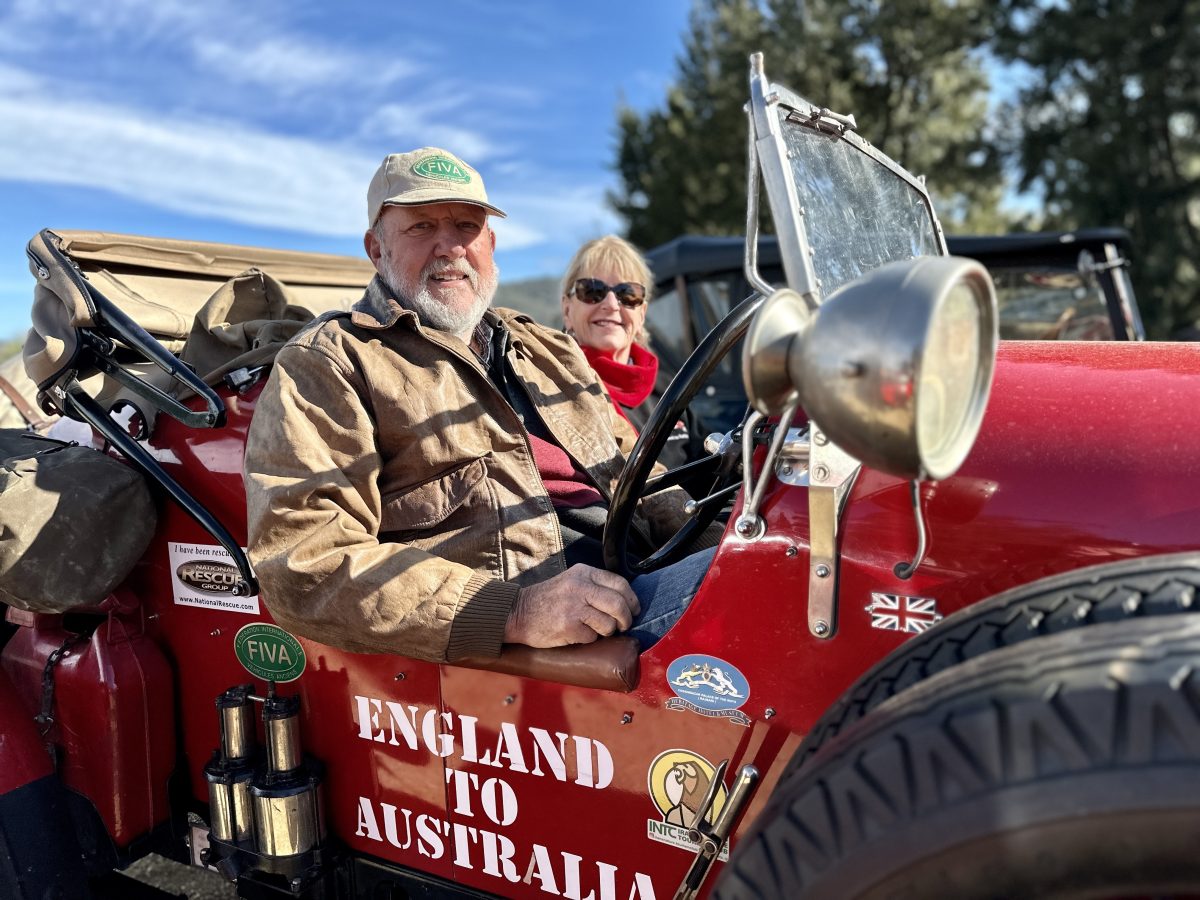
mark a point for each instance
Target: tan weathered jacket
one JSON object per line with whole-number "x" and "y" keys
{"x": 394, "y": 503}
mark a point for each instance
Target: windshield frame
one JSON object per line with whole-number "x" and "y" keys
{"x": 796, "y": 250}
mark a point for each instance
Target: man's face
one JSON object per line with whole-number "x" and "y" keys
{"x": 437, "y": 259}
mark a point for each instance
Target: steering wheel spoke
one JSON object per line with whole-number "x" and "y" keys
{"x": 635, "y": 481}
{"x": 675, "y": 549}
{"x": 705, "y": 467}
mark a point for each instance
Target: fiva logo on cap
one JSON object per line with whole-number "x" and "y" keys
{"x": 443, "y": 168}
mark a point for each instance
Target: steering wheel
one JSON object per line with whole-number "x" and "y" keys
{"x": 635, "y": 482}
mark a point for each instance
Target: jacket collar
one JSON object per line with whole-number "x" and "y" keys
{"x": 379, "y": 308}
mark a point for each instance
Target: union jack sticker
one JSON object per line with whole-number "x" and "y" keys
{"x": 892, "y": 612}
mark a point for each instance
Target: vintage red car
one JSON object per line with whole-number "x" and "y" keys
{"x": 947, "y": 646}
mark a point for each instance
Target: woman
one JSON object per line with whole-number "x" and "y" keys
{"x": 605, "y": 293}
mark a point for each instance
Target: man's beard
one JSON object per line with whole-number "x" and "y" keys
{"x": 434, "y": 313}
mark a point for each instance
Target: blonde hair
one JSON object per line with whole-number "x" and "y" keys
{"x": 615, "y": 253}
{"x": 609, "y": 252}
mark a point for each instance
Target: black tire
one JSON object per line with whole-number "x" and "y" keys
{"x": 1119, "y": 591}
{"x": 1063, "y": 767}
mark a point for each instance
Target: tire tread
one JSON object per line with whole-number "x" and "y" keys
{"x": 1164, "y": 585}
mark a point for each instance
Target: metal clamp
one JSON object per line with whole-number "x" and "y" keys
{"x": 750, "y": 525}
{"x": 791, "y": 467}
{"x": 45, "y": 718}
{"x": 832, "y": 472}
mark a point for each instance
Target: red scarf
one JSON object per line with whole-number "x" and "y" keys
{"x": 628, "y": 383}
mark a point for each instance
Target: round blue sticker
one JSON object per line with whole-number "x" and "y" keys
{"x": 708, "y": 682}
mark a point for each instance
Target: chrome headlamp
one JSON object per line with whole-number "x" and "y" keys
{"x": 895, "y": 367}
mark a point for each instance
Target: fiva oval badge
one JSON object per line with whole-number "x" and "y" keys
{"x": 268, "y": 652}
{"x": 708, "y": 686}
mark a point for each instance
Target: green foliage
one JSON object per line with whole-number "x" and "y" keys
{"x": 11, "y": 347}
{"x": 909, "y": 70}
{"x": 1108, "y": 131}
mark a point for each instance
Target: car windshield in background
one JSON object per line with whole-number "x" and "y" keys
{"x": 1050, "y": 286}
{"x": 859, "y": 214}
{"x": 1050, "y": 304}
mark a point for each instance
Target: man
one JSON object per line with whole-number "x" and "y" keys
{"x": 429, "y": 477}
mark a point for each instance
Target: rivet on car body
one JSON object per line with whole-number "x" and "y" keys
{"x": 769, "y": 712}
{"x": 216, "y": 632}
{"x": 822, "y": 571}
{"x": 510, "y": 699}
{"x": 821, "y": 472}
{"x": 400, "y": 676}
{"x": 821, "y": 629}
{"x": 820, "y": 439}
{"x": 626, "y": 718}
{"x": 791, "y": 550}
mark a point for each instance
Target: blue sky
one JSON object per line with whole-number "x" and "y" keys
{"x": 261, "y": 123}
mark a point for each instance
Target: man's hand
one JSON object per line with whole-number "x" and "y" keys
{"x": 576, "y": 607}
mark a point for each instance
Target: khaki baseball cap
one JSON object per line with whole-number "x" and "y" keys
{"x": 428, "y": 175}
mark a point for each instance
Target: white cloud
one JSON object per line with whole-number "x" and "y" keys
{"x": 18, "y": 81}
{"x": 228, "y": 170}
{"x": 222, "y": 170}
{"x": 34, "y": 24}
{"x": 289, "y": 64}
{"x": 543, "y": 213}
{"x": 411, "y": 125}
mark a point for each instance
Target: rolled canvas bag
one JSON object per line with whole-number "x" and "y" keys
{"x": 73, "y": 523}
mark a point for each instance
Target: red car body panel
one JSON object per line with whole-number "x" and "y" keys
{"x": 21, "y": 748}
{"x": 521, "y": 787}
{"x": 112, "y": 697}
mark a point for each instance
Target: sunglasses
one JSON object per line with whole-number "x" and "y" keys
{"x": 629, "y": 294}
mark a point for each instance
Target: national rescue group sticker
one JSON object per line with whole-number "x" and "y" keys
{"x": 205, "y": 575}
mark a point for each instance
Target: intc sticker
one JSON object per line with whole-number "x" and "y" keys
{"x": 678, "y": 782}
{"x": 205, "y": 575}
{"x": 268, "y": 652}
{"x": 708, "y": 686}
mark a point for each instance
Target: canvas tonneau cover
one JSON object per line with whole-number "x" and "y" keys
{"x": 162, "y": 282}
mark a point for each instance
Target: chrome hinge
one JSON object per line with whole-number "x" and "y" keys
{"x": 825, "y": 120}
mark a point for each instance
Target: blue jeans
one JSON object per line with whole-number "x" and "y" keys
{"x": 666, "y": 593}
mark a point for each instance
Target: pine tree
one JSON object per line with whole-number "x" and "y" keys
{"x": 911, "y": 71}
{"x": 1109, "y": 132}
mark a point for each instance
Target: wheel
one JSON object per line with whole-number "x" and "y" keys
{"x": 1111, "y": 592}
{"x": 1066, "y": 767}
{"x": 635, "y": 483}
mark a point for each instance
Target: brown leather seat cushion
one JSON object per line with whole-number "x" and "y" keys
{"x": 609, "y": 664}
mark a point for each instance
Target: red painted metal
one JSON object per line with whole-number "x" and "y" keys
{"x": 23, "y": 756}
{"x": 1085, "y": 455}
{"x": 113, "y": 692}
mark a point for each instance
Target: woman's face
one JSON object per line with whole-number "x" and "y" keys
{"x": 606, "y": 326}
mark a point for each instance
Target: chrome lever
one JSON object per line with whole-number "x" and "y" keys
{"x": 712, "y": 838}
{"x": 691, "y": 507}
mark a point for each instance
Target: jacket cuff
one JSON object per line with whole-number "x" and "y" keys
{"x": 478, "y": 628}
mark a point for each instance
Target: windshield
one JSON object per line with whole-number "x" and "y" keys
{"x": 858, "y": 213}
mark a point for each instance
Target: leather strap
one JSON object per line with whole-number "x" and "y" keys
{"x": 28, "y": 413}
